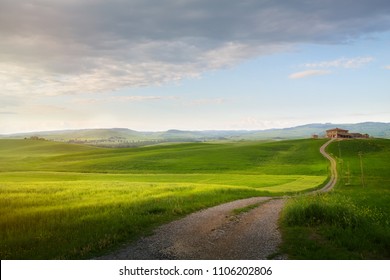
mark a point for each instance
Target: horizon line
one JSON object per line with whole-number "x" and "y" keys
{"x": 191, "y": 130}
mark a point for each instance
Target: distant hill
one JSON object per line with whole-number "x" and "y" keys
{"x": 123, "y": 137}
{"x": 374, "y": 129}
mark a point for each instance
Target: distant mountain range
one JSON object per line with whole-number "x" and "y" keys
{"x": 127, "y": 137}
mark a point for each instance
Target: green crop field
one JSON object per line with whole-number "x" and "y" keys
{"x": 64, "y": 201}
{"x": 351, "y": 222}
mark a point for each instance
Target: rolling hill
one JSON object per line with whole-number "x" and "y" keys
{"x": 123, "y": 137}
{"x": 70, "y": 201}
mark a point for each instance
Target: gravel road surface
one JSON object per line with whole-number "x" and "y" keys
{"x": 214, "y": 233}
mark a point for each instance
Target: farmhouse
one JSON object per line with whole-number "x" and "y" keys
{"x": 343, "y": 133}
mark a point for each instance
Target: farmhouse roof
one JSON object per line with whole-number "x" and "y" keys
{"x": 337, "y": 129}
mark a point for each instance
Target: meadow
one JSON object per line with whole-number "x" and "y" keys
{"x": 352, "y": 221}
{"x": 67, "y": 201}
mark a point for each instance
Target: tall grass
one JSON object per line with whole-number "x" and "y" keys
{"x": 351, "y": 222}
{"x": 76, "y": 220}
{"x": 82, "y": 215}
{"x": 330, "y": 210}
{"x": 332, "y": 226}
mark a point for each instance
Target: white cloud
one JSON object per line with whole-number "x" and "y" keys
{"x": 387, "y": 67}
{"x": 73, "y": 47}
{"x": 207, "y": 101}
{"x": 308, "y": 73}
{"x": 132, "y": 98}
{"x": 7, "y": 113}
{"x": 109, "y": 76}
{"x": 341, "y": 63}
{"x": 347, "y": 63}
{"x": 258, "y": 123}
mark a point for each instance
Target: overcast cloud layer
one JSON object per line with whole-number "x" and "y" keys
{"x": 73, "y": 46}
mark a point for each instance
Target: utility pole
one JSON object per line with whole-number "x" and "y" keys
{"x": 361, "y": 167}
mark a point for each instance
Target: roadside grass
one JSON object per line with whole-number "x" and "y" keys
{"x": 77, "y": 219}
{"x": 61, "y": 201}
{"x": 350, "y": 222}
{"x": 69, "y": 220}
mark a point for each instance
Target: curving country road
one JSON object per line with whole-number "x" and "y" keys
{"x": 333, "y": 168}
{"x": 218, "y": 233}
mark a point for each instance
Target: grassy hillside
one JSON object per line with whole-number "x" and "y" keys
{"x": 288, "y": 157}
{"x": 123, "y": 137}
{"x": 73, "y": 201}
{"x": 351, "y": 222}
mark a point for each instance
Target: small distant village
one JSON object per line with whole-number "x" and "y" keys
{"x": 343, "y": 134}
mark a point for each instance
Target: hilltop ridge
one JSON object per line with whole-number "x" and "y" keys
{"x": 128, "y": 137}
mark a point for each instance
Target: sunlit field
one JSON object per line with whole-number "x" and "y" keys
{"x": 62, "y": 201}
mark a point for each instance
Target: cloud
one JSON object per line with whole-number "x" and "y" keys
{"x": 207, "y": 101}
{"x": 133, "y": 98}
{"x": 7, "y": 113}
{"x": 9, "y": 101}
{"x": 308, "y": 73}
{"x": 347, "y": 63}
{"x": 387, "y": 67}
{"x": 257, "y": 123}
{"x": 356, "y": 62}
{"x": 72, "y": 47}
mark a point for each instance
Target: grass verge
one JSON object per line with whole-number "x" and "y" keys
{"x": 352, "y": 221}
{"x": 70, "y": 220}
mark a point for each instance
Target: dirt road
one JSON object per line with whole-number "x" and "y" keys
{"x": 219, "y": 233}
{"x": 333, "y": 168}
{"x": 214, "y": 233}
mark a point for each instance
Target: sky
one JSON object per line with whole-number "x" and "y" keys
{"x": 192, "y": 64}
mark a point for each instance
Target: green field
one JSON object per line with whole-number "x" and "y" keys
{"x": 351, "y": 222}
{"x": 64, "y": 201}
